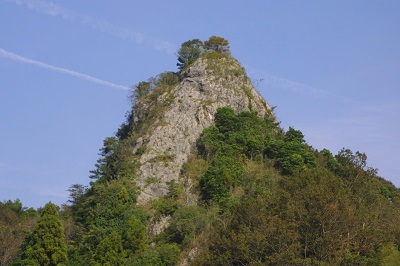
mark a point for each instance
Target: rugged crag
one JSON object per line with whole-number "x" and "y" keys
{"x": 185, "y": 182}
{"x": 213, "y": 81}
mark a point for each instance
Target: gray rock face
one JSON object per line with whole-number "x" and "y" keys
{"x": 207, "y": 85}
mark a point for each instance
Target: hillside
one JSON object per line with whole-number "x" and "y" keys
{"x": 201, "y": 174}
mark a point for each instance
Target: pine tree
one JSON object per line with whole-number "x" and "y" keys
{"x": 46, "y": 244}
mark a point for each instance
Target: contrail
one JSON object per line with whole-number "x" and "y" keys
{"x": 124, "y": 34}
{"x": 79, "y": 75}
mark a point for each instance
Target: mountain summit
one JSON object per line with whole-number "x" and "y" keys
{"x": 181, "y": 111}
{"x": 201, "y": 174}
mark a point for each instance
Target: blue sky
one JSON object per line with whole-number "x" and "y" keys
{"x": 332, "y": 68}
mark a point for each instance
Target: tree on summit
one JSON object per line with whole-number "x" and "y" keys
{"x": 217, "y": 44}
{"x": 189, "y": 52}
{"x": 193, "y": 49}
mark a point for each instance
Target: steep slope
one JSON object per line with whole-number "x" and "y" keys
{"x": 218, "y": 182}
{"x": 213, "y": 81}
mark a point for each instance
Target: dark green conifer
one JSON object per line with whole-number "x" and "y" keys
{"x": 46, "y": 244}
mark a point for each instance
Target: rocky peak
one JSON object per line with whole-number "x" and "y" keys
{"x": 182, "y": 112}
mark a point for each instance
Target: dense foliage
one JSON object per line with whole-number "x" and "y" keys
{"x": 266, "y": 198}
{"x": 311, "y": 208}
{"x": 250, "y": 194}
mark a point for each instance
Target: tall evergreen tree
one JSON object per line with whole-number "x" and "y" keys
{"x": 46, "y": 244}
{"x": 189, "y": 52}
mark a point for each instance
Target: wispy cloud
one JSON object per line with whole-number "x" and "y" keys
{"x": 44, "y": 7}
{"x": 15, "y": 57}
{"x": 271, "y": 80}
{"x": 275, "y": 82}
{"x": 97, "y": 24}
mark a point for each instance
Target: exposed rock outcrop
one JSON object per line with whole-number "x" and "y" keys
{"x": 211, "y": 82}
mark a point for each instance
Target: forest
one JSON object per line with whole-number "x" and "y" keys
{"x": 263, "y": 196}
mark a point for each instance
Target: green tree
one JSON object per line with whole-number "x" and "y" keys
{"x": 186, "y": 224}
{"x": 105, "y": 208}
{"x": 135, "y": 236}
{"x": 221, "y": 177}
{"x": 110, "y": 251}
{"x": 115, "y": 163}
{"x": 106, "y": 165}
{"x": 141, "y": 89}
{"x": 294, "y": 135}
{"x": 244, "y": 133}
{"x": 76, "y": 192}
{"x": 291, "y": 153}
{"x": 189, "y": 52}
{"x": 353, "y": 165}
{"x": 329, "y": 161}
{"x": 211, "y": 141}
{"x": 46, "y": 244}
{"x": 148, "y": 257}
{"x": 217, "y": 44}
{"x": 169, "y": 254}
{"x": 226, "y": 120}
{"x": 167, "y": 78}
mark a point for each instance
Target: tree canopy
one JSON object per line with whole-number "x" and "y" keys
{"x": 193, "y": 49}
{"x": 217, "y": 44}
{"x": 46, "y": 244}
{"x": 263, "y": 197}
{"x": 189, "y": 51}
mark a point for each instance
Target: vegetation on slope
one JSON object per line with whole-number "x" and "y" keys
{"x": 15, "y": 223}
{"x": 283, "y": 203}
{"x": 264, "y": 197}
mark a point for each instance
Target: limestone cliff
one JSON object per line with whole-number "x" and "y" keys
{"x": 178, "y": 114}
